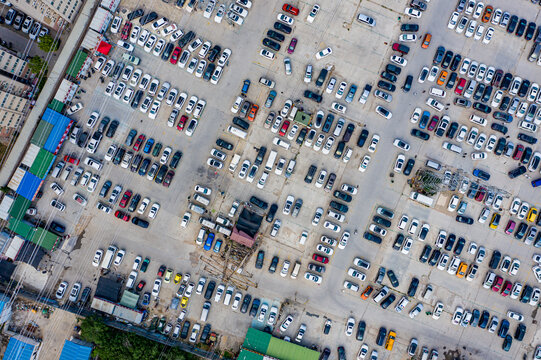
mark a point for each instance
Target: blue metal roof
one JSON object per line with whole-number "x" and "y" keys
{"x": 74, "y": 351}
{"x": 18, "y": 350}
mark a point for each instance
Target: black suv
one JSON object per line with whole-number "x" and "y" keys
{"x": 310, "y": 174}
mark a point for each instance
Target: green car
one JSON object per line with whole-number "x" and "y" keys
{"x": 144, "y": 265}
{"x": 157, "y": 149}
{"x": 270, "y": 99}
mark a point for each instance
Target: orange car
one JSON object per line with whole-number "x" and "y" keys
{"x": 443, "y": 76}
{"x": 252, "y": 113}
{"x": 487, "y": 14}
{"x": 426, "y": 41}
{"x": 366, "y": 293}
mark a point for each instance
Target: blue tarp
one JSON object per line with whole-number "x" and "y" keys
{"x": 29, "y": 186}
{"x": 18, "y": 350}
{"x": 60, "y": 124}
{"x": 74, "y": 351}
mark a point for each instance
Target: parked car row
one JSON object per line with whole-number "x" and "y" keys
{"x": 20, "y": 21}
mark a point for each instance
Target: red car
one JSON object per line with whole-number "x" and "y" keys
{"x": 125, "y": 198}
{"x": 174, "y": 57}
{"x": 182, "y": 122}
{"x": 292, "y": 45}
{"x": 460, "y": 86}
{"x": 518, "y": 152}
{"x": 168, "y": 177}
{"x": 284, "y": 128}
{"x": 122, "y": 215}
{"x": 433, "y": 122}
{"x": 510, "y": 227}
{"x": 497, "y": 284}
{"x": 140, "y": 140}
{"x": 401, "y": 48}
{"x": 71, "y": 159}
{"x": 506, "y": 289}
{"x": 140, "y": 286}
{"x": 290, "y": 9}
{"x": 321, "y": 259}
{"x": 161, "y": 270}
{"x": 481, "y": 194}
{"x": 126, "y": 31}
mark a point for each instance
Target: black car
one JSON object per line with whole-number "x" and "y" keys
{"x": 83, "y": 138}
{"x": 186, "y": 38}
{"x": 205, "y": 333}
{"x": 487, "y": 93}
{"x": 520, "y": 332}
{"x": 464, "y": 219}
{"x": 327, "y": 327}
{"x": 245, "y": 303}
{"x": 271, "y": 213}
{"x": 392, "y": 278}
{"x": 451, "y": 81}
{"x": 209, "y": 71}
{"x": 521, "y": 231}
{"x": 339, "y": 150}
{"x": 328, "y": 123}
{"x": 57, "y": 228}
{"x": 361, "y": 328}
{"x": 161, "y": 174}
{"x": 372, "y": 237}
{"x": 260, "y": 155}
{"x": 450, "y": 242}
{"x": 504, "y": 328}
{"x": 381, "y": 221}
{"x": 144, "y": 167}
{"x": 339, "y": 206}
{"x": 478, "y": 92}
{"x": 475, "y": 317}
{"x": 497, "y": 79}
{"x": 255, "y": 307}
{"x": 424, "y": 254}
{"x": 85, "y": 295}
{"x": 502, "y": 116}
{"x": 388, "y": 76}
{"x": 275, "y": 35}
{"x": 523, "y": 89}
{"x": 386, "y": 86}
{"x": 526, "y": 294}
{"x": 137, "y": 99}
{"x": 282, "y": 27}
{"x": 185, "y": 328}
{"x": 213, "y": 53}
{"x": 526, "y": 155}
{"x": 527, "y": 138}
{"x": 310, "y": 174}
{"x": 271, "y": 44}
{"x": 409, "y": 166}
{"x": 419, "y": 134}
{"x": 210, "y": 289}
{"x": 451, "y": 132}
{"x": 495, "y": 259}
{"x": 167, "y": 51}
{"x": 325, "y": 354}
{"x": 507, "y": 342}
{"x": 362, "y": 138}
{"x": 349, "y": 131}
{"x": 516, "y": 172}
{"x": 521, "y": 27}
{"x": 407, "y": 83}
{"x": 397, "y": 245}
{"x": 447, "y": 59}
{"x": 499, "y": 128}
{"x": 504, "y": 105}
{"x": 151, "y": 16}
{"x": 342, "y": 196}
{"x": 341, "y": 353}
{"x": 434, "y": 257}
{"x": 393, "y": 69}
{"x": 382, "y": 333}
{"x": 273, "y": 264}
{"x": 259, "y": 203}
{"x": 224, "y": 144}
{"x": 511, "y": 26}
{"x": 506, "y": 82}
{"x": 409, "y": 27}
{"x": 112, "y": 129}
{"x": 321, "y": 77}
{"x": 483, "y": 320}
{"x": 259, "y": 260}
{"x": 313, "y": 96}
{"x": 412, "y": 289}
{"x": 459, "y": 246}
{"x": 388, "y": 301}
{"x": 135, "y": 14}
{"x": 302, "y": 135}
{"x": 530, "y": 30}
{"x": 455, "y": 62}
{"x": 439, "y": 55}
{"x": 175, "y": 159}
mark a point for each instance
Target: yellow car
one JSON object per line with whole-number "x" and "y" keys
{"x": 462, "y": 270}
{"x": 495, "y": 221}
{"x": 443, "y": 76}
{"x": 532, "y": 214}
{"x": 184, "y": 302}
{"x": 390, "y": 340}
{"x": 177, "y": 279}
{"x": 168, "y": 274}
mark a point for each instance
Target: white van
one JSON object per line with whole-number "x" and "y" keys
{"x": 422, "y": 199}
{"x": 200, "y": 237}
{"x": 296, "y": 269}
{"x": 433, "y": 165}
{"x": 435, "y": 104}
{"x": 201, "y": 199}
{"x": 108, "y": 258}
{"x": 280, "y": 142}
{"x": 205, "y": 311}
{"x": 234, "y": 162}
{"x": 290, "y": 167}
{"x": 66, "y": 172}
{"x": 270, "y": 160}
{"x": 478, "y": 120}
{"x": 437, "y": 92}
{"x": 93, "y": 162}
{"x": 196, "y": 208}
{"x": 223, "y": 220}
{"x": 292, "y": 113}
{"x": 207, "y": 223}
{"x": 56, "y": 171}
{"x": 237, "y": 132}
{"x": 223, "y": 230}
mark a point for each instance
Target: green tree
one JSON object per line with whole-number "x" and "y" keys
{"x": 37, "y": 65}
{"x": 47, "y": 43}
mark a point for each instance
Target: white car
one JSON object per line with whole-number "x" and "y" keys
{"x": 407, "y": 37}
{"x": 416, "y": 115}
{"x": 156, "y": 288}
{"x": 364, "y": 163}
{"x": 154, "y": 210}
{"x": 324, "y": 53}
{"x": 453, "y": 20}
{"x": 373, "y": 143}
{"x": 413, "y": 12}
{"x": 340, "y": 108}
{"x": 285, "y": 19}
{"x": 119, "y": 257}
{"x": 515, "y": 316}
{"x": 403, "y": 222}
{"x": 317, "y": 216}
{"x": 312, "y": 15}
{"x": 272, "y": 315}
{"x": 453, "y": 203}
{"x": 457, "y": 316}
{"x": 350, "y": 324}
{"x": 331, "y": 226}
{"x": 97, "y": 258}
{"x": 399, "y": 163}
{"x": 438, "y": 310}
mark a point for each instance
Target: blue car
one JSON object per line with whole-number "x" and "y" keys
{"x": 217, "y": 246}
{"x": 208, "y": 242}
{"x": 270, "y": 99}
{"x": 351, "y": 93}
{"x": 424, "y": 119}
{"x": 245, "y": 87}
{"x": 148, "y": 145}
{"x": 146, "y": 299}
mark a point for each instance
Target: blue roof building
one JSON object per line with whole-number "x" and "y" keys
{"x": 75, "y": 349}
{"x": 22, "y": 348}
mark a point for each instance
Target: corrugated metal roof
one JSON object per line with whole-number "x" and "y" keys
{"x": 56, "y": 105}
{"x": 75, "y": 351}
{"x": 20, "y": 348}
{"x": 42, "y": 164}
{"x": 30, "y": 155}
{"x": 14, "y": 247}
{"x": 77, "y": 63}
{"x": 102, "y": 305}
{"x": 16, "y": 179}
{"x": 264, "y": 343}
{"x": 129, "y": 299}
{"x": 66, "y": 91}
{"x": 19, "y": 207}
{"x": 257, "y": 340}
{"x": 37, "y": 235}
{"x": 127, "y": 314}
{"x": 248, "y": 355}
{"x": 5, "y": 205}
{"x": 101, "y": 20}
{"x": 42, "y": 133}
{"x": 91, "y": 39}
{"x": 29, "y": 186}
{"x": 110, "y": 4}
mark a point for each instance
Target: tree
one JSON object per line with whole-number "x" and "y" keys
{"x": 47, "y": 43}
{"x": 37, "y": 65}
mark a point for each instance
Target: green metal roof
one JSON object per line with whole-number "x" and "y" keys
{"x": 19, "y": 207}
{"x": 129, "y": 299}
{"x": 37, "y": 235}
{"x": 76, "y": 63}
{"x": 56, "y": 105}
{"x": 43, "y": 130}
{"x": 248, "y": 355}
{"x": 43, "y": 162}
{"x": 263, "y": 343}
{"x": 303, "y": 118}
